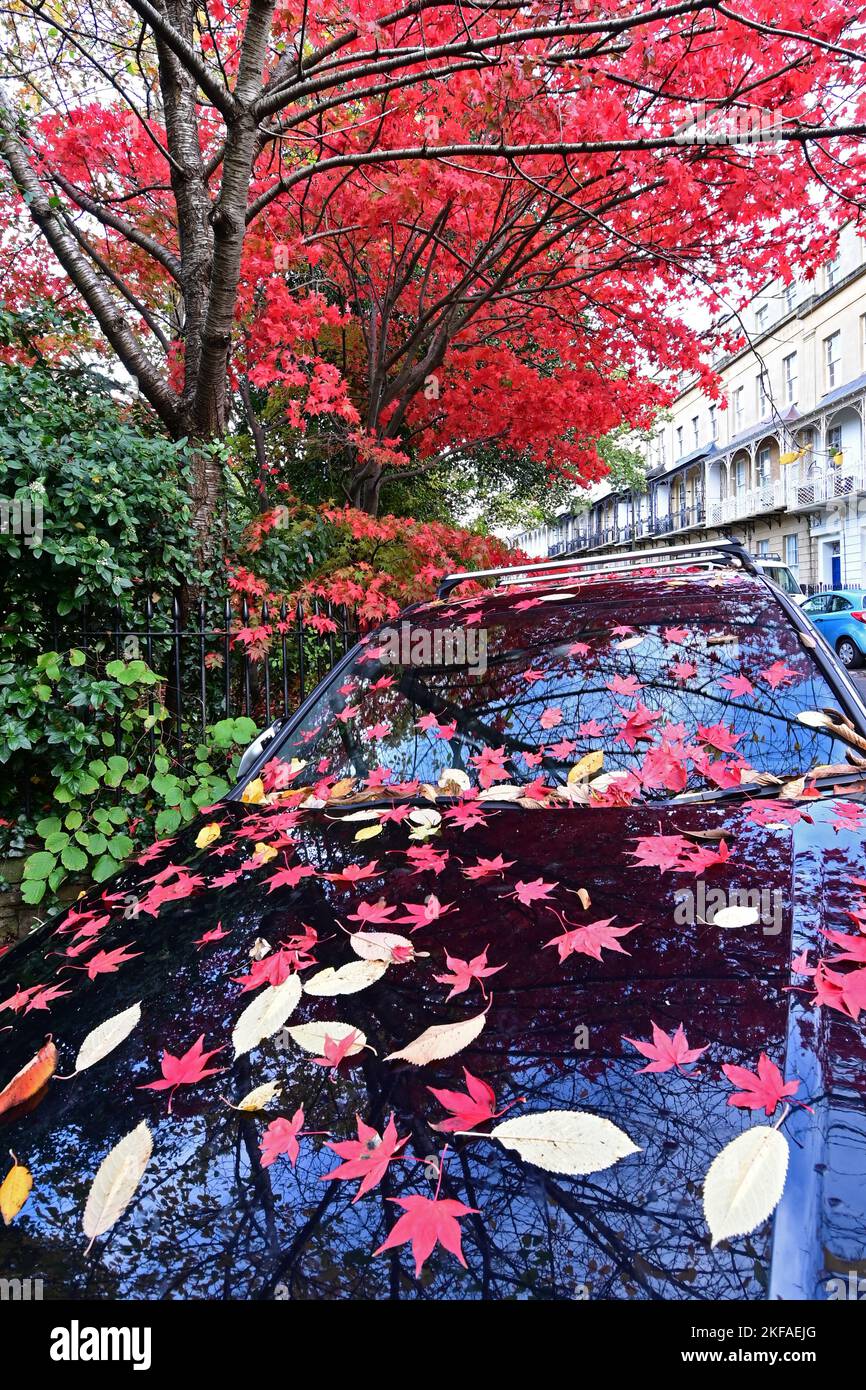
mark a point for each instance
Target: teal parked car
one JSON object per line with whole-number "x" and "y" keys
{"x": 840, "y": 617}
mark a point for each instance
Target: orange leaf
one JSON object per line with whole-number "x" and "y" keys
{"x": 31, "y": 1078}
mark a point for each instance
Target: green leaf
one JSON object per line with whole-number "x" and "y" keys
{"x": 56, "y": 842}
{"x": 39, "y": 865}
{"x": 104, "y": 867}
{"x": 76, "y": 657}
{"x": 33, "y": 891}
{"x": 73, "y": 859}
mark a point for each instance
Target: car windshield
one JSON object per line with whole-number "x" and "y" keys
{"x": 781, "y": 575}
{"x": 676, "y": 686}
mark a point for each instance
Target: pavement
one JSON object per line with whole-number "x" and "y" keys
{"x": 859, "y": 678}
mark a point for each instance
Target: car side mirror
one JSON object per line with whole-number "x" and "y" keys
{"x": 257, "y": 747}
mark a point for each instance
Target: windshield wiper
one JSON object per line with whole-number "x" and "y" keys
{"x": 766, "y": 790}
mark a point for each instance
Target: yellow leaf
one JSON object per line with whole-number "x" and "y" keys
{"x": 14, "y": 1191}
{"x": 368, "y": 832}
{"x": 586, "y": 766}
{"x": 265, "y": 853}
{"x": 254, "y": 791}
{"x": 207, "y": 835}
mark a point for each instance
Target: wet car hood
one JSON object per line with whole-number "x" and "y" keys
{"x": 209, "y": 1221}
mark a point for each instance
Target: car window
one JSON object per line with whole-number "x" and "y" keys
{"x": 819, "y": 604}
{"x": 681, "y": 691}
{"x": 838, "y": 604}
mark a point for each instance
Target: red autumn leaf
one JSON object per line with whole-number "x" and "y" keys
{"x": 335, "y": 1052}
{"x": 290, "y": 878}
{"x": 107, "y": 962}
{"x": 366, "y": 1157}
{"x": 737, "y": 685}
{"x": 765, "y": 1089}
{"x": 591, "y": 939}
{"x": 281, "y": 1137}
{"x": 624, "y": 685}
{"x": 534, "y": 892}
{"x": 185, "y": 1070}
{"x": 778, "y": 674}
{"x": 719, "y": 736}
{"x": 551, "y": 717}
{"x": 485, "y": 867}
{"x": 667, "y": 1051}
{"x": 662, "y": 852}
{"x": 470, "y": 1108}
{"x": 675, "y": 634}
{"x": 215, "y": 934}
{"x": 425, "y": 1221}
{"x": 464, "y": 972}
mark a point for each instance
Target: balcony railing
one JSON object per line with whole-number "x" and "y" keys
{"x": 795, "y": 490}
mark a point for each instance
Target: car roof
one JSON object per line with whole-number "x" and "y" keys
{"x": 841, "y": 593}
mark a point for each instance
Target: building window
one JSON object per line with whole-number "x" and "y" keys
{"x": 789, "y": 378}
{"x": 763, "y": 548}
{"x": 696, "y": 430}
{"x": 833, "y": 358}
{"x": 740, "y": 475}
{"x": 863, "y": 341}
{"x": 762, "y": 465}
{"x": 714, "y": 422}
{"x": 788, "y": 296}
{"x": 832, "y": 271}
{"x": 834, "y": 445}
{"x": 679, "y": 441}
{"x": 737, "y": 398}
{"x": 761, "y": 318}
{"x": 792, "y": 550}
{"x": 662, "y": 449}
{"x": 762, "y": 395}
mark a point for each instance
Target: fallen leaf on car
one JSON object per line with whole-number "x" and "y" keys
{"x": 14, "y": 1191}
{"x": 732, "y": 918}
{"x": 257, "y": 1099}
{"x": 745, "y": 1182}
{"x": 442, "y": 1040}
{"x": 116, "y": 1182}
{"x": 104, "y": 1039}
{"x": 312, "y": 1037}
{"x": 266, "y": 1015}
{"x": 348, "y": 979}
{"x": 565, "y": 1141}
{"x": 586, "y": 766}
{"x": 31, "y": 1078}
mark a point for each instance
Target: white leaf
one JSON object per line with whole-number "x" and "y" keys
{"x": 266, "y": 1014}
{"x": 311, "y": 1036}
{"x": 815, "y": 719}
{"x": 428, "y": 818}
{"x": 349, "y": 979}
{"x": 117, "y": 1178}
{"x": 381, "y": 945}
{"x": 565, "y": 1141}
{"x": 359, "y": 815}
{"x": 731, "y": 918}
{"x": 107, "y": 1037}
{"x": 454, "y": 777}
{"x": 629, "y": 642}
{"x": 745, "y": 1182}
{"x": 259, "y": 1097}
{"x": 442, "y": 1040}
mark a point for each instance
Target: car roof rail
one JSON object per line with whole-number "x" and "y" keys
{"x": 712, "y": 554}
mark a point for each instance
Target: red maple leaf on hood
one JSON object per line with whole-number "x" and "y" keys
{"x": 667, "y": 1051}
{"x": 591, "y": 939}
{"x": 474, "y": 1106}
{"x": 425, "y": 1221}
{"x": 765, "y": 1089}
{"x": 185, "y": 1070}
{"x": 281, "y": 1137}
{"x": 366, "y": 1157}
